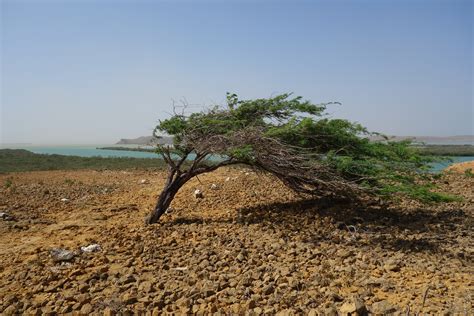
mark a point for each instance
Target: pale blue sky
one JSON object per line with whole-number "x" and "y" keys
{"x": 97, "y": 71}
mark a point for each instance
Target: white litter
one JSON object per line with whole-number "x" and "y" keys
{"x": 198, "y": 194}
{"x": 91, "y": 248}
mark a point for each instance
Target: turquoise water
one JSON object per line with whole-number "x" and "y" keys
{"x": 84, "y": 151}
{"x": 91, "y": 151}
{"x": 440, "y": 166}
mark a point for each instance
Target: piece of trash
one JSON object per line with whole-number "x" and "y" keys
{"x": 6, "y": 217}
{"x": 180, "y": 268}
{"x": 198, "y": 194}
{"x": 144, "y": 181}
{"x": 227, "y": 179}
{"x": 214, "y": 186}
{"x": 64, "y": 200}
{"x": 91, "y": 248}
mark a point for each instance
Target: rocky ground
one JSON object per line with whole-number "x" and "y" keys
{"x": 249, "y": 246}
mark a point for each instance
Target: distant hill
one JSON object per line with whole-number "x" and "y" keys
{"x": 145, "y": 140}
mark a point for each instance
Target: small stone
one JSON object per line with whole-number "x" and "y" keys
{"x": 108, "y": 312}
{"x": 214, "y": 186}
{"x": 129, "y": 298}
{"x": 269, "y": 289}
{"x": 382, "y": 308}
{"x": 65, "y": 309}
{"x": 60, "y": 254}
{"x": 127, "y": 279}
{"x": 83, "y": 298}
{"x": 144, "y": 181}
{"x": 10, "y": 310}
{"x": 330, "y": 311}
{"x": 64, "y": 200}
{"x": 391, "y": 265}
{"x": 354, "y": 305}
{"x": 146, "y": 287}
{"x": 83, "y": 288}
{"x": 86, "y": 309}
{"x": 313, "y": 312}
{"x": 250, "y": 304}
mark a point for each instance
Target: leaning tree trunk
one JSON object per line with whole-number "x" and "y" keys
{"x": 164, "y": 201}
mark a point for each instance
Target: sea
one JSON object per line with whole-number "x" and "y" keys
{"x": 83, "y": 150}
{"x": 94, "y": 151}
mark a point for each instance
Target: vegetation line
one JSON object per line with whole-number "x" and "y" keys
{"x": 19, "y": 160}
{"x": 446, "y": 150}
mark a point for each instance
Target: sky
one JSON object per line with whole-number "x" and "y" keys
{"x": 93, "y": 72}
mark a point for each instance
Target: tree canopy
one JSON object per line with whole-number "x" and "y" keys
{"x": 296, "y": 141}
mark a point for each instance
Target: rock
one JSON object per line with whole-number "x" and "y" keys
{"x": 227, "y": 179}
{"x": 330, "y": 311}
{"x": 313, "y": 312}
{"x": 83, "y": 298}
{"x": 129, "y": 298}
{"x": 250, "y": 304}
{"x": 353, "y": 306}
{"x": 146, "y": 287}
{"x": 127, "y": 279}
{"x": 391, "y": 265}
{"x": 10, "y": 310}
{"x": 198, "y": 194}
{"x": 91, "y": 248}
{"x": 108, "y": 312}
{"x": 144, "y": 181}
{"x": 86, "y": 309}
{"x": 64, "y": 200}
{"x": 214, "y": 186}
{"x": 269, "y": 289}
{"x": 382, "y": 308}
{"x": 61, "y": 255}
{"x": 65, "y": 309}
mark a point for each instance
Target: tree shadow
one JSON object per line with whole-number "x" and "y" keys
{"x": 427, "y": 229}
{"x": 415, "y": 230}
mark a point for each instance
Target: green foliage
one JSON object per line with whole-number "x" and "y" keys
{"x": 468, "y": 173}
{"x": 8, "y": 183}
{"x": 346, "y": 148}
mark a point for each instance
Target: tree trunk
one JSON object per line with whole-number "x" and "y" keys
{"x": 164, "y": 201}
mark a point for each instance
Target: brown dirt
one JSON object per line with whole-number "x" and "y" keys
{"x": 250, "y": 245}
{"x": 462, "y": 166}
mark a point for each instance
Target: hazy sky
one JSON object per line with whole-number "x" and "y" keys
{"x": 97, "y": 71}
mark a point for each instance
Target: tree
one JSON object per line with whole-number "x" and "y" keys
{"x": 294, "y": 140}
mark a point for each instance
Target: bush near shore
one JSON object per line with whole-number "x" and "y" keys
{"x": 447, "y": 150}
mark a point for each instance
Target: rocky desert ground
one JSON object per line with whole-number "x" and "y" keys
{"x": 250, "y": 246}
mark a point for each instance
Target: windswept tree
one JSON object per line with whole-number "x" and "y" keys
{"x": 295, "y": 141}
